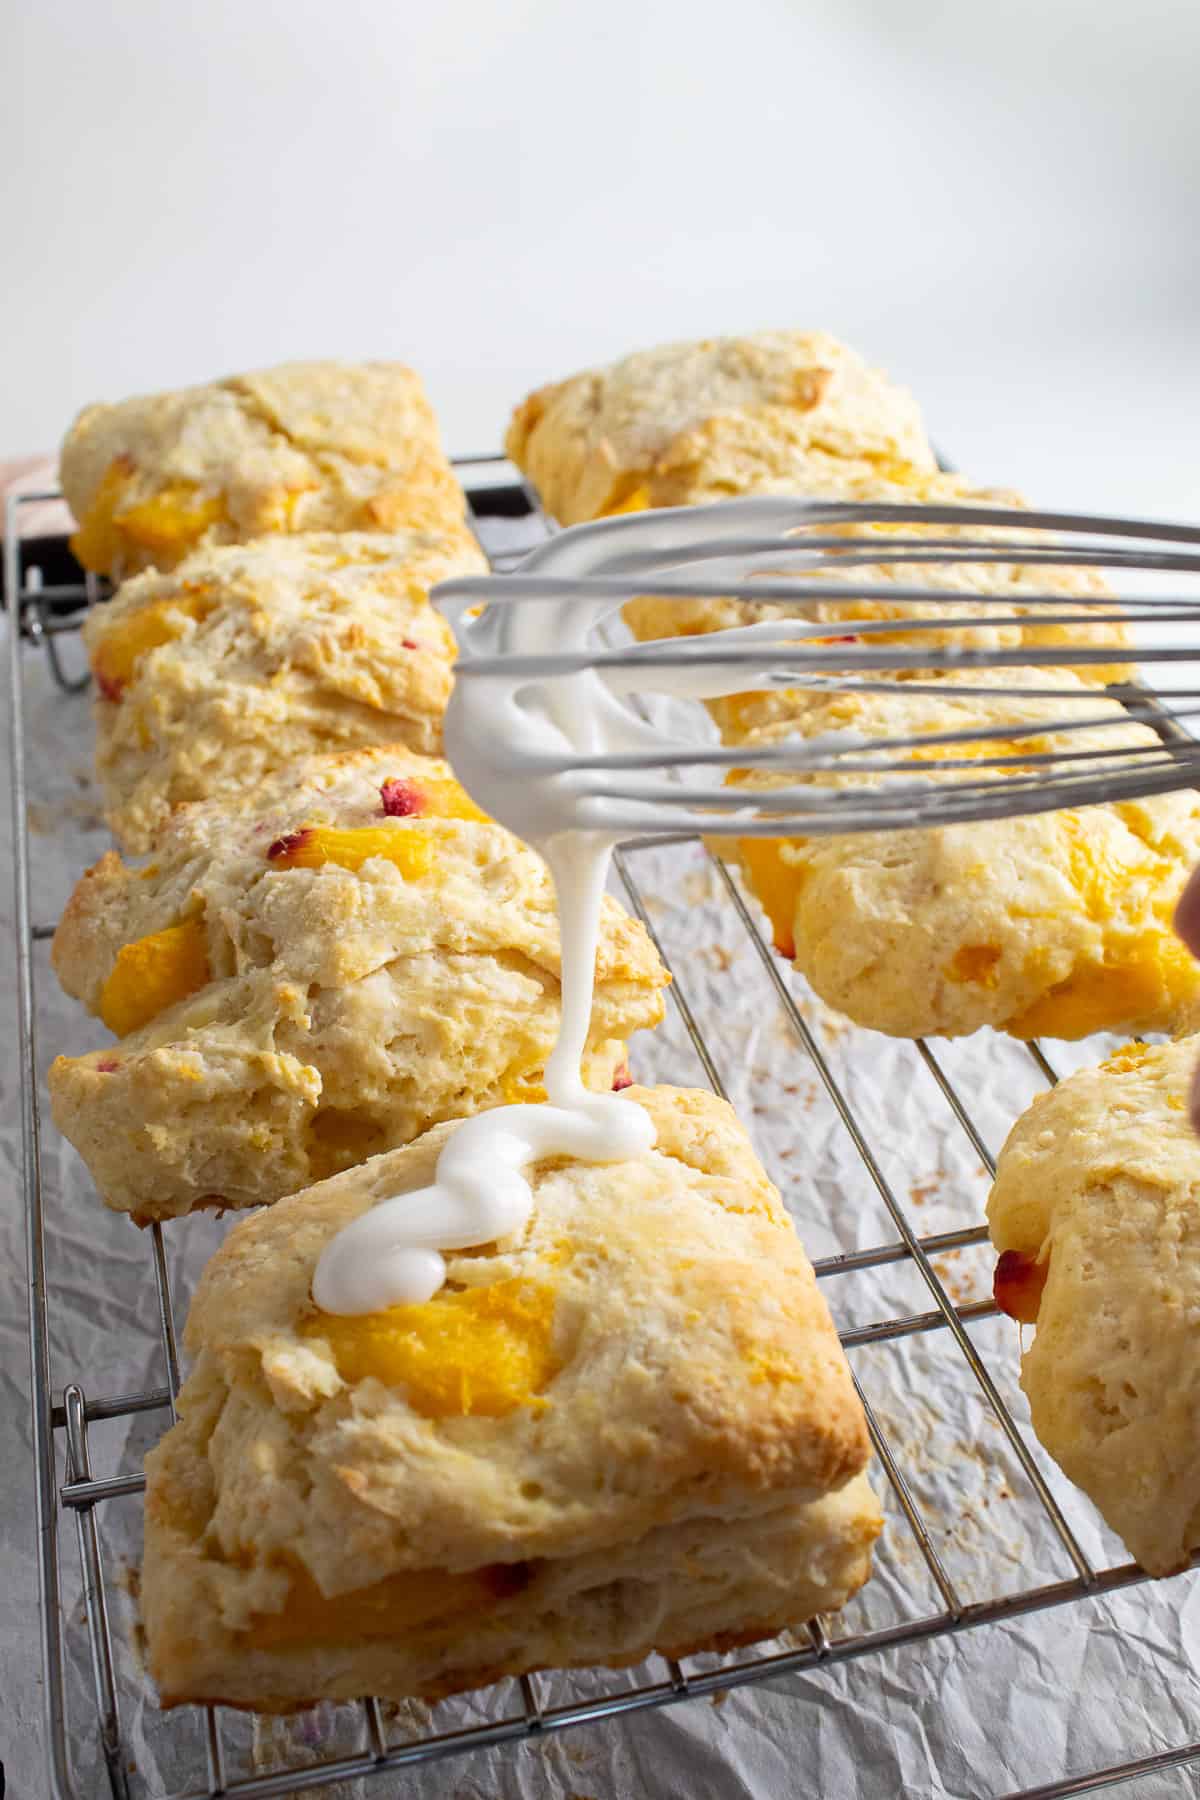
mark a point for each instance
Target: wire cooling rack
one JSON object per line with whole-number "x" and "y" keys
{"x": 49, "y": 611}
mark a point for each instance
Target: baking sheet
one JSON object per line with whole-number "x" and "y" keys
{"x": 980, "y": 1714}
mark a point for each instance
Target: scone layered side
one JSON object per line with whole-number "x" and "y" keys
{"x": 680, "y": 1590}
{"x": 1054, "y": 924}
{"x": 246, "y": 659}
{"x": 687, "y": 1462}
{"x": 1096, "y": 1213}
{"x": 314, "y": 974}
{"x": 1010, "y": 626}
{"x": 308, "y": 446}
{"x": 601, "y": 441}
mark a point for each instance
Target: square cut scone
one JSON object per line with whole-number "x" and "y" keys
{"x": 247, "y": 657}
{"x": 631, "y": 1429}
{"x": 728, "y": 410}
{"x": 307, "y": 446}
{"x": 1096, "y": 1215}
{"x": 776, "y": 413}
{"x": 1016, "y": 625}
{"x": 321, "y": 971}
{"x": 1056, "y": 924}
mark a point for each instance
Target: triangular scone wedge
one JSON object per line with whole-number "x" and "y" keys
{"x": 1056, "y": 924}
{"x": 1096, "y": 1214}
{"x": 614, "y": 439}
{"x": 633, "y": 1429}
{"x": 316, "y": 973}
{"x": 248, "y": 657}
{"x": 307, "y": 446}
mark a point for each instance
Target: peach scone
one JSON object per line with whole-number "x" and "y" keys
{"x": 320, "y": 971}
{"x": 729, "y": 412}
{"x": 1055, "y": 924}
{"x": 248, "y": 657}
{"x": 995, "y": 592}
{"x": 307, "y": 446}
{"x": 1096, "y": 1215}
{"x": 630, "y": 1429}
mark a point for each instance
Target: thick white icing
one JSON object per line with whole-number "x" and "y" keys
{"x": 389, "y": 1256}
{"x": 516, "y": 745}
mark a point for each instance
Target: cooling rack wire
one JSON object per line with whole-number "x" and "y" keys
{"x": 50, "y": 611}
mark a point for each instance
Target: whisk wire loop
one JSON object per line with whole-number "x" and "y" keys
{"x": 1023, "y": 747}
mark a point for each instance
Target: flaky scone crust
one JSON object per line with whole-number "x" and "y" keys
{"x": 1100, "y": 1182}
{"x": 921, "y": 932}
{"x": 307, "y": 446}
{"x": 623, "y": 435}
{"x": 738, "y": 714}
{"x": 693, "y": 1468}
{"x": 274, "y": 651}
{"x": 346, "y": 1011}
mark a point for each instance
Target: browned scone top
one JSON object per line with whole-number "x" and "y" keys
{"x": 631, "y": 1428}
{"x": 1096, "y": 1213}
{"x": 307, "y": 446}
{"x": 706, "y": 419}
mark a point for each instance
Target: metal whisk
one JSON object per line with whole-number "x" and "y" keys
{"x": 547, "y": 627}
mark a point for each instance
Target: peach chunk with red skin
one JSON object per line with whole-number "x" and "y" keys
{"x": 314, "y": 846}
{"x": 285, "y": 848}
{"x": 401, "y": 799}
{"x": 1018, "y": 1284}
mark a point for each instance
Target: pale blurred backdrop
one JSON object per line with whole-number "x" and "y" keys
{"x": 998, "y": 203}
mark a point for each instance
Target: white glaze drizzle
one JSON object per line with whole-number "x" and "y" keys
{"x": 506, "y": 739}
{"x": 391, "y": 1255}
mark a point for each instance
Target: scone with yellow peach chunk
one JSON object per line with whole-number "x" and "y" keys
{"x": 630, "y": 1428}
{"x": 783, "y": 412}
{"x": 727, "y": 412}
{"x": 1096, "y": 1215}
{"x": 323, "y": 970}
{"x": 307, "y": 446}
{"x": 994, "y": 595}
{"x": 1054, "y": 924}
{"x": 247, "y": 657}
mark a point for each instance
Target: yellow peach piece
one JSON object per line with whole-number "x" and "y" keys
{"x": 119, "y": 650}
{"x": 171, "y": 521}
{"x": 975, "y": 962}
{"x": 479, "y": 1351}
{"x": 431, "y": 796}
{"x": 154, "y": 973}
{"x": 97, "y": 542}
{"x": 412, "y": 1598}
{"x": 409, "y": 847}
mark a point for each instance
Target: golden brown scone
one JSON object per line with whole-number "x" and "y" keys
{"x": 1096, "y": 1213}
{"x": 349, "y": 955}
{"x": 309, "y": 446}
{"x": 1056, "y": 924}
{"x": 249, "y": 657}
{"x": 736, "y": 409}
{"x": 738, "y": 714}
{"x": 631, "y": 1429}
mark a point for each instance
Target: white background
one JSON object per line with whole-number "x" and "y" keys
{"x": 998, "y": 203}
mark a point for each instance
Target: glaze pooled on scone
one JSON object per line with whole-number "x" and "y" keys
{"x": 508, "y": 742}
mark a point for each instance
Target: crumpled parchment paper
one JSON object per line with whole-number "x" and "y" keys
{"x": 982, "y": 1713}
